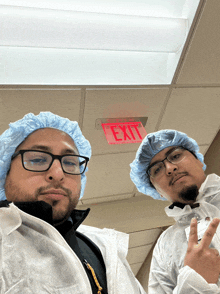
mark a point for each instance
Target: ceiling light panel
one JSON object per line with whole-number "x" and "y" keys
{"x": 154, "y": 8}
{"x": 31, "y": 27}
{"x": 112, "y": 41}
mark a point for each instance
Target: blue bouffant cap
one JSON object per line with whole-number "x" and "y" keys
{"x": 152, "y": 144}
{"x": 20, "y": 129}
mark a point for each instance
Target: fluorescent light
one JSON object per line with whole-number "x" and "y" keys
{"x": 43, "y": 28}
{"x": 39, "y": 66}
{"x": 92, "y": 42}
{"x": 153, "y": 8}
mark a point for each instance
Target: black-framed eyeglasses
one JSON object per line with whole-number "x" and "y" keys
{"x": 158, "y": 168}
{"x": 39, "y": 161}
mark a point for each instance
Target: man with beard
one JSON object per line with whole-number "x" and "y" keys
{"x": 168, "y": 166}
{"x": 44, "y": 248}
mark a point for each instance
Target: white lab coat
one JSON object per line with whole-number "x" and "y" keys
{"x": 168, "y": 273}
{"x": 35, "y": 258}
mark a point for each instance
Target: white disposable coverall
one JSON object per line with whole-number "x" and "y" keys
{"x": 168, "y": 273}
{"x": 35, "y": 258}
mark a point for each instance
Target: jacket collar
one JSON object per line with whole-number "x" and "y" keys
{"x": 43, "y": 210}
{"x": 182, "y": 205}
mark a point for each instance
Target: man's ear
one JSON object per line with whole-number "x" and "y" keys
{"x": 201, "y": 163}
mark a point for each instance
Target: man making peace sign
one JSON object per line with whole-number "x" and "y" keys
{"x": 168, "y": 166}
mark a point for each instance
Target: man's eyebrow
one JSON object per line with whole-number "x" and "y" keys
{"x": 166, "y": 154}
{"x": 48, "y": 149}
{"x": 170, "y": 151}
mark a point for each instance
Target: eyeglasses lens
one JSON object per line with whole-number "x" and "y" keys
{"x": 36, "y": 161}
{"x": 156, "y": 169}
{"x": 71, "y": 164}
{"x": 174, "y": 157}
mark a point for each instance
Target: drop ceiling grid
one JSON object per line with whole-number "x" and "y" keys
{"x": 138, "y": 254}
{"x": 143, "y": 237}
{"x": 109, "y": 198}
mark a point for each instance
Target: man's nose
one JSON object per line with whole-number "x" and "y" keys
{"x": 170, "y": 167}
{"x": 55, "y": 172}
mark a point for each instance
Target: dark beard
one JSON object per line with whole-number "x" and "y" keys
{"x": 189, "y": 193}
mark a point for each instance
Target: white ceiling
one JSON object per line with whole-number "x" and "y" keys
{"x": 191, "y": 103}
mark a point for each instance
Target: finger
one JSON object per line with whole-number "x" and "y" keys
{"x": 209, "y": 233}
{"x": 215, "y": 251}
{"x": 193, "y": 237}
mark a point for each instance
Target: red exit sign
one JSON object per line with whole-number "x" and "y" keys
{"x": 123, "y": 133}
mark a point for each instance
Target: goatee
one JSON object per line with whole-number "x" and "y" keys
{"x": 189, "y": 193}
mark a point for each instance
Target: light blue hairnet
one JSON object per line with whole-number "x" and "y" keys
{"x": 20, "y": 129}
{"x": 150, "y": 146}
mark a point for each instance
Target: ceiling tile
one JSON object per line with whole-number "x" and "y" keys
{"x": 201, "y": 62}
{"x": 109, "y": 175}
{"x": 135, "y": 267}
{"x": 143, "y": 237}
{"x": 131, "y": 215}
{"x": 102, "y": 199}
{"x": 203, "y": 149}
{"x": 138, "y": 254}
{"x": 118, "y": 103}
{"x": 14, "y": 104}
{"x": 194, "y": 111}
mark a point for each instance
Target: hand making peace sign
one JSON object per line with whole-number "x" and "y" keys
{"x": 204, "y": 260}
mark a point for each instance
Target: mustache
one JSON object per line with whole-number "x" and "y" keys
{"x": 41, "y": 190}
{"x": 182, "y": 173}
